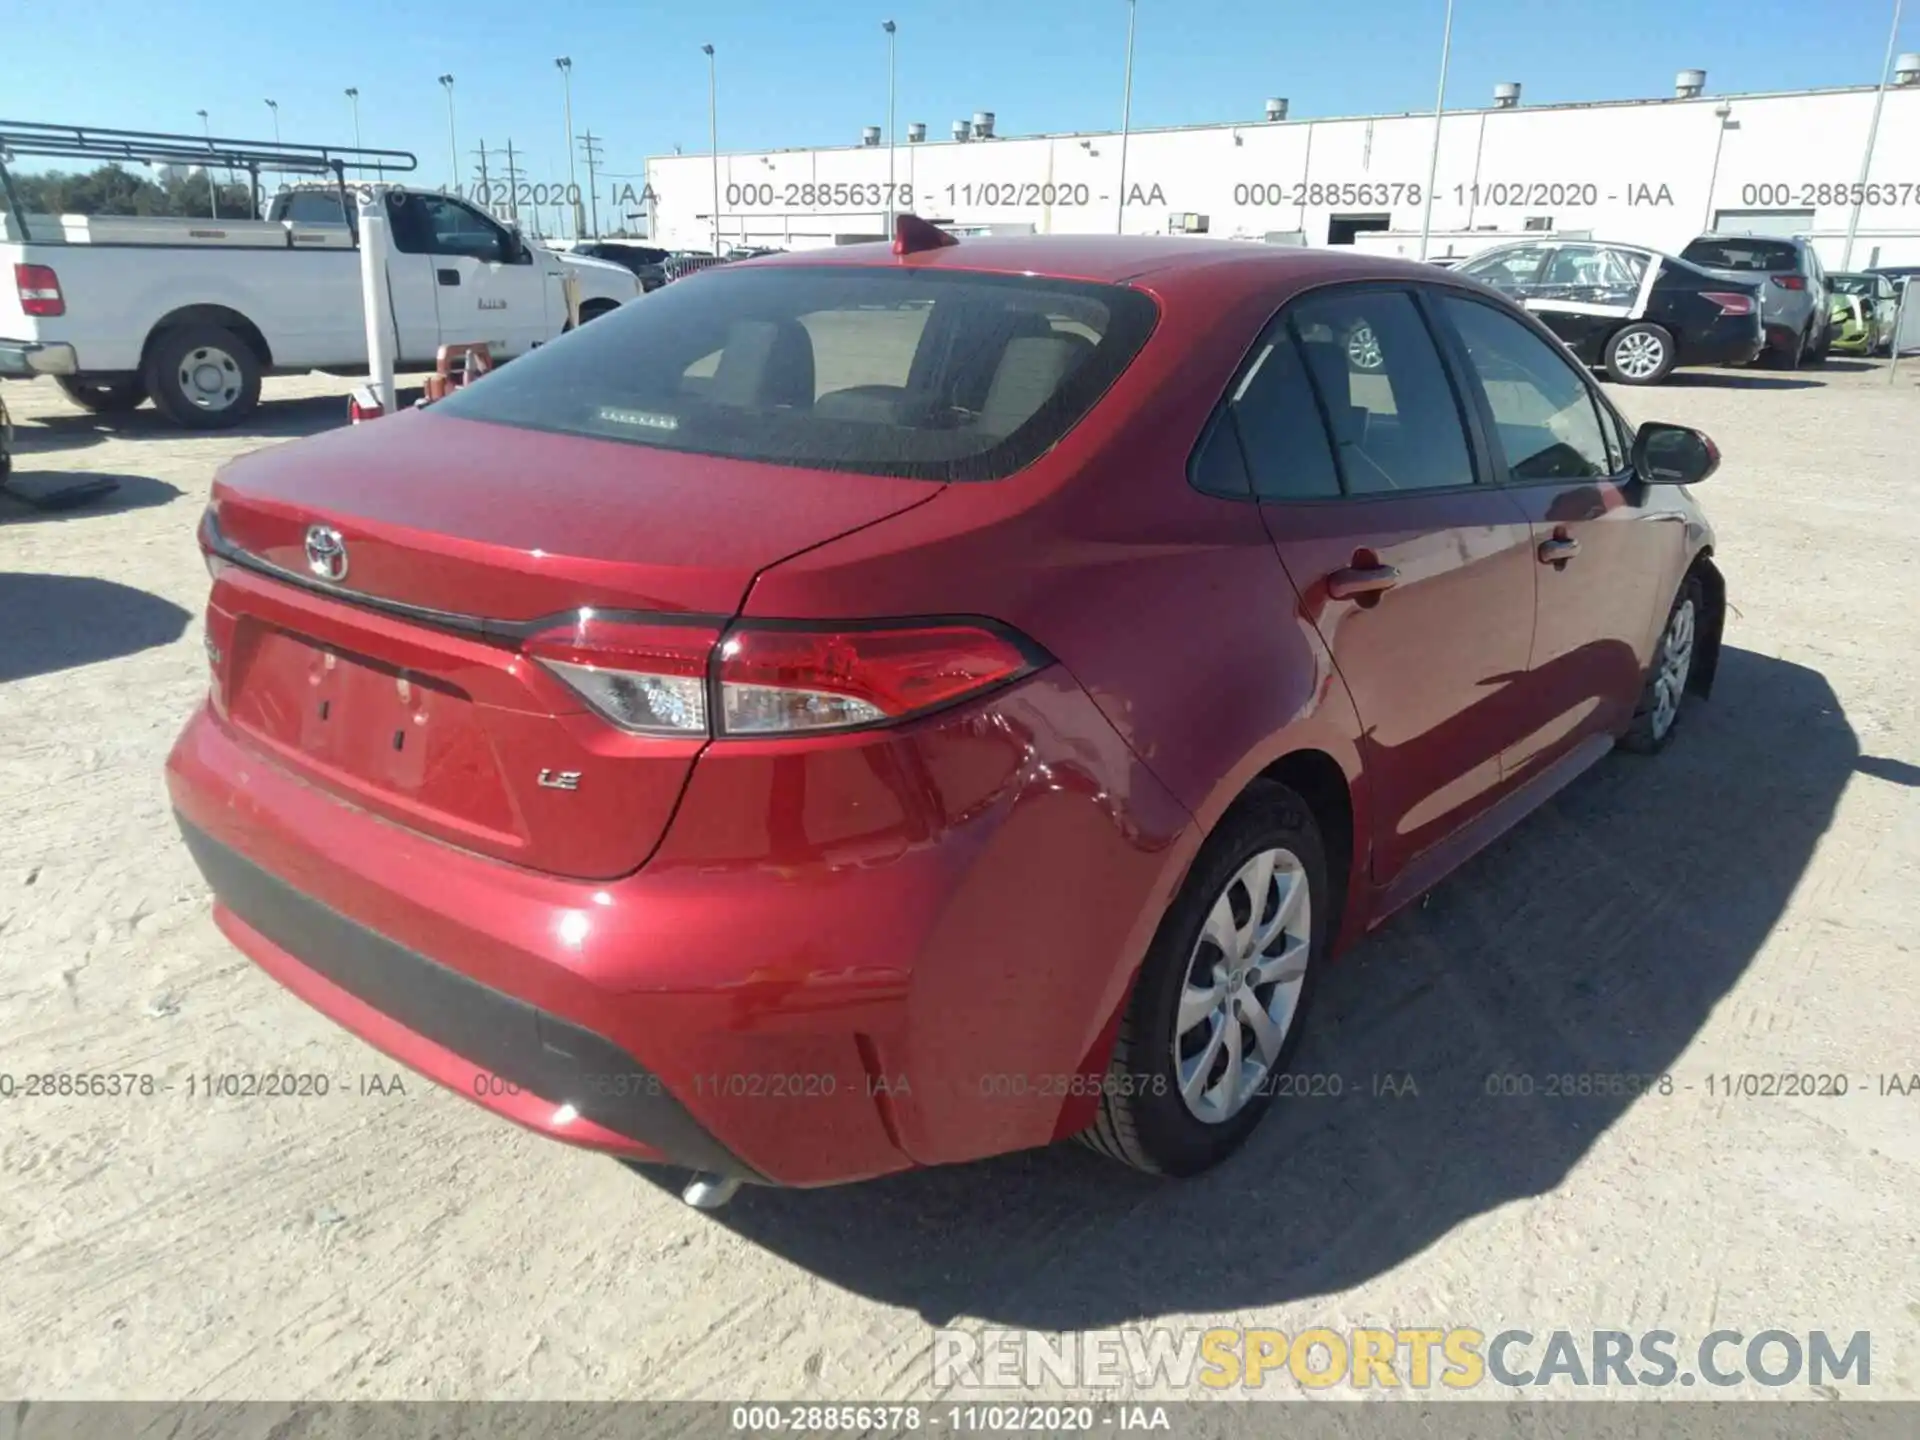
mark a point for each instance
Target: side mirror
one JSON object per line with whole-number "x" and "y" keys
{"x": 1673, "y": 454}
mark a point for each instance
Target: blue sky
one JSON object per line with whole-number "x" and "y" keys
{"x": 796, "y": 73}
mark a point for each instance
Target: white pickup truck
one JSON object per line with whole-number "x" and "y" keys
{"x": 193, "y": 312}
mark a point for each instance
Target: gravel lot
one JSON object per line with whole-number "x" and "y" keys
{"x": 1747, "y": 902}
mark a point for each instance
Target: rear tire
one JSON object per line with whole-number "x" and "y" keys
{"x": 1663, "y": 696}
{"x": 203, "y": 377}
{"x": 1640, "y": 354}
{"x": 103, "y": 397}
{"x": 1173, "y": 1025}
{"x": 594, "y": 309}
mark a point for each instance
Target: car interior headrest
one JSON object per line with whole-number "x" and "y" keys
{"x": 765, "y": 363}
{"x": 1030, "y": 372}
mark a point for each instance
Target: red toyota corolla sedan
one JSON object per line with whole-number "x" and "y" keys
{"x": 888, "y": 706}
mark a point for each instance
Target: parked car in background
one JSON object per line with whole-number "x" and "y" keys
{"x": 743, "y": 809}
{"x": 1633, "y": 312}
{"x": 683, "y": 263}
{"x": 644, "y": 261}
{"x": 1794, "y": 298}
{"x": 1866, "y": 307}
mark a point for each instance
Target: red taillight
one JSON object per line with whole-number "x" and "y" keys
{"x": 647, "y": 676}
{"x": 776, "y": 680}
{"x": 658, "y": 678}
{"x": 1790, "y": 282}
{"x": 1729, "y": 302}
{"x": 39, "y": 290}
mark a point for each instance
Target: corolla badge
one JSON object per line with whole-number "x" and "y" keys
{"x": 326, "y": 552}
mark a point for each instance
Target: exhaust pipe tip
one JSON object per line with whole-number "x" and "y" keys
{"x": 710, "y": 1192}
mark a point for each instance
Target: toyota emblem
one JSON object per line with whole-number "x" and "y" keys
{"x": 326, "y": 552}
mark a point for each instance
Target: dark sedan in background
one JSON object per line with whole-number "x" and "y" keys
{"x": 645, "y": 261}
{"x": 1633, "y": 312}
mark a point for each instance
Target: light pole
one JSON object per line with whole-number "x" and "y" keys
{"x": 353, "y": 102}
{"x": 565, "y": 66}
{"x": 1433, "y": 156}
{"x": 1126, "y": 122}
{"x": 713, "y": 133}
{"x": 1873, "y": 133}
{"x": 213, "y": 185}
{"x": 274, "y": 106}
{"x": 453, "y": 139}
{"x": 888, "y": 26}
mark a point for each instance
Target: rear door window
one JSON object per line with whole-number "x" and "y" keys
{"x": 1389, "y": 407}
{"x": 930, "y": 375}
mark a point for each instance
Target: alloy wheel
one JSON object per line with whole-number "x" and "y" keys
{"x": 1243, "y": 986}
{"x": 1675, "y": 664}
{"x": 1638, "y": 356}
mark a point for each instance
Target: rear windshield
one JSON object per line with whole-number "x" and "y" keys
{"x": 927, "y": 375}
{"x": 1759, "y": 255}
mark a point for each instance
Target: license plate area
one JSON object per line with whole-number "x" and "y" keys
{"x": 368, "y": 729}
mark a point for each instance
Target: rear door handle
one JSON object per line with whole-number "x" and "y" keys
{"x": 1358, "y": 580}
{"x": 1558, "y": 550}
{"x": 449, "y": 277}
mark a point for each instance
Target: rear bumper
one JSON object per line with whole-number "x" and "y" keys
{"x": 555, "y": 1076}
{"x": 29, "y": 359}
{"x": 1727, "y": 343}
{"x": 844, "y": 960}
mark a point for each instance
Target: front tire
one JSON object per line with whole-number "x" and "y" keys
{"x": 1664, "y": 694}
{"x": 1641, "y": 354}
{"x": 1216, "y": 1013}
{"x": 203, "y": 377}
{"x": 103, "y": 397}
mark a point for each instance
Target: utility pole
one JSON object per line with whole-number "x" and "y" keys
{"x": 590, "y": 147}
{"x": 486, "y": 185}
{"x": 513, "y": 185}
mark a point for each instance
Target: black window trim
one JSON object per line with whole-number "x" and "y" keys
{"x": 1501, "y": 468}
{"x": 1479, "y": 456}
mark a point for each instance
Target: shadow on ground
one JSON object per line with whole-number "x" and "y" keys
{"x": 274, "y": 420}
{"x": 1595, "y": 938}
{"x": 65, "y": 495}
{"x": 1739, "y": 380}
{"x": 56, "y": 622}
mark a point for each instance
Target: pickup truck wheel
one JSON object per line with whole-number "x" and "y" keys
{"x": 203, "y": 376}
{"x": 103, "y": 397}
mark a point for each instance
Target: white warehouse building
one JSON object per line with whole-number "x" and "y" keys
{"x": 1654, "y": 172}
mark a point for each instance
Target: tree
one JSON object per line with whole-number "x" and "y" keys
{"x": 112, "y": 190}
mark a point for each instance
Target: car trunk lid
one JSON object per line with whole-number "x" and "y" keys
{"x": 398, "y": 682}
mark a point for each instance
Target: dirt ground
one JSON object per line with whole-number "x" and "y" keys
{"x": 1746, "y": 903}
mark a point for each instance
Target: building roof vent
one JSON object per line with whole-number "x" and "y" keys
{"x": 1906, "y": 68}
{"x": 983, "y": 124}
{"x": 1506, "y": 96}
{"x": 1276, "y": 109}
{"x": 961, "y": 131}
{"x": 916, "y": 132}
{"x": 1688, "y": 84}
{"x": 870, "y": 135}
